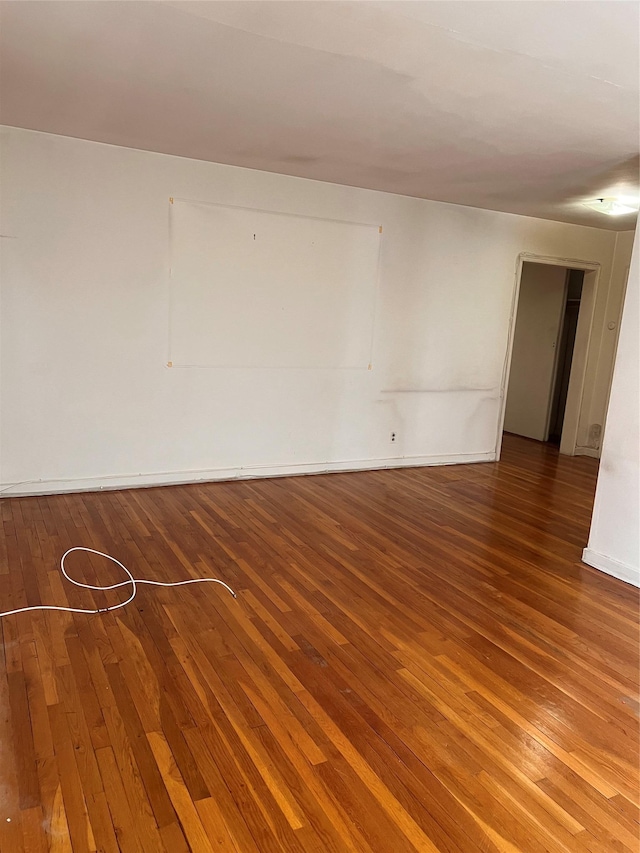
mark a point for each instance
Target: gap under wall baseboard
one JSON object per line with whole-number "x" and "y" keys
{"x": 622, "y": 571}
{"x": 175, "y": 478}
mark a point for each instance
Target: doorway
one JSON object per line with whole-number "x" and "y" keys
{"x": 566, "y": 344}
{"x": 545, "y": 367}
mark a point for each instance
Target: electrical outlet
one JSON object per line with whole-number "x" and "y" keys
{"x": 393, "y": 437}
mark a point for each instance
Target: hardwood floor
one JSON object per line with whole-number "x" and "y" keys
{"x": 417, "y": 661}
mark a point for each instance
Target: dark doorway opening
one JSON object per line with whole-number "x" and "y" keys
{"x": 567, "y": 341}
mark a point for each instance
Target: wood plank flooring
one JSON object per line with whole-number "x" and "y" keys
{"x": 417, "y": 661}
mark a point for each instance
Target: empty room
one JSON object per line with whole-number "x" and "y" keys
{"x": 319, "y": 426}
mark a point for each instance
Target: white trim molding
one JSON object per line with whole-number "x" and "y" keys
{"x": 174, "y": 478}
{"x": 622, "y": 571}
{"x": 593, "y": 452}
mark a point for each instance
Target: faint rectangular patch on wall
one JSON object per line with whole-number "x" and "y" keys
{"x": 261, "y": 289}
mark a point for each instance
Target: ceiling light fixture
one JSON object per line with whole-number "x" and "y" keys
{"x": 614, "y": 206}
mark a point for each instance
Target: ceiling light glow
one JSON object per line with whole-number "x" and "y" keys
{"x": 614, "y": 206}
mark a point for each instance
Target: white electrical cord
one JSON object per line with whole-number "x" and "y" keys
{"x": 131, "y": 580}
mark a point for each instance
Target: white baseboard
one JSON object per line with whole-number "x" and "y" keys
{"x": 622, "y": 571}
{"x": 168, "y": 478}
{"x": 587, "y": 451}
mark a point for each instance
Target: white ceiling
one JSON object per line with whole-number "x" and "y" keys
{"x": 526, "y": 107}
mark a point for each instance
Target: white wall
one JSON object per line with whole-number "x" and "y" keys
{"x": 596, "y": 398}
{"x": 87, "y": 397}
{"x": 533, "y": 359}
{"x": 614, "y": 540}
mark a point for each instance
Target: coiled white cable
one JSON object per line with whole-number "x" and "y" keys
{"x": 130, "y": 580}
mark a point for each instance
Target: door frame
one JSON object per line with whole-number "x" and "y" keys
{"x": 575, "y": 394}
